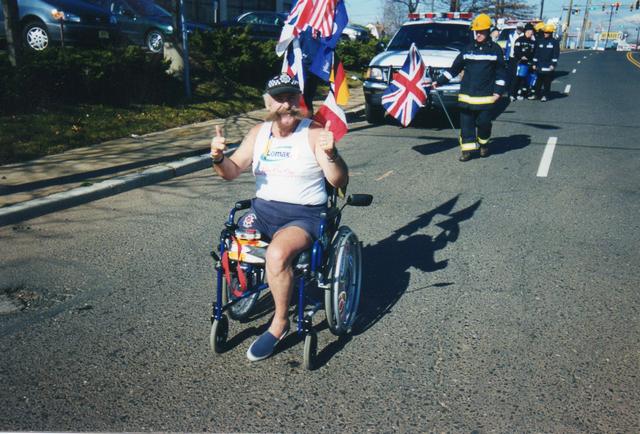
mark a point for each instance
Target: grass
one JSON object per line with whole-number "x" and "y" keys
{"x": 57, "y": 129}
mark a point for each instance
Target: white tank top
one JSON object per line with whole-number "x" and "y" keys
{"x": 286, "y": 169}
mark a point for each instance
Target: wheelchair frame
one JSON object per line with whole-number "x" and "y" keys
{"x": 313, "y": 265}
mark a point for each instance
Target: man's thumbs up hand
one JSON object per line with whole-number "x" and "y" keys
{"x": 218, "y": 144}
{"x": 326, "y": 141}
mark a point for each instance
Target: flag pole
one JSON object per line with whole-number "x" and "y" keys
{"x": 442, "y": 103}
{"x": 445, "y": 110}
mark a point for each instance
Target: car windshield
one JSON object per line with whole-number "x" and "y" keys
{"x": 147, "y": 8}
{"x": 262, "y": 18}
{"x": 431, "y": 36}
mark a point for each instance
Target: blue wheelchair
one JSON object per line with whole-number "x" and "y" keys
{"x": 327, "y": 276}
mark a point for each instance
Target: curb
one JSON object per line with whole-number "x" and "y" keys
{"x": 110, "y": 187}
{"x": 78, "y": 196}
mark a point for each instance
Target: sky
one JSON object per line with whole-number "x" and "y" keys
{"x": 369, "y": 11}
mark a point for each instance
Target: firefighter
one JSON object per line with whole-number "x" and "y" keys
{"x": 523, "y": 52}
{"x": 482, "y": 85}
{"x": 538, "y": 35}
{"x": 545, "y": 60}
{"x": 512, "y": 60}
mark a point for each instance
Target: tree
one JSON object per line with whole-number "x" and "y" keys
{"x": 497, "y": 8}
{"x": 10, "y": 10}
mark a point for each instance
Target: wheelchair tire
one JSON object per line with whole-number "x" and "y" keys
{"x": 219, "y": 334}
{"x": 310, "y": 350}
{"x": 345, "y": 274}
{"x": 240, "y": 310}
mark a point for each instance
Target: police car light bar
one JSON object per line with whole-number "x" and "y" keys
{"x": 457, "y": 15}
{"x": 447, "y": 15}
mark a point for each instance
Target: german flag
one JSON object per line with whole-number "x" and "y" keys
{"x": 339, "y": 86}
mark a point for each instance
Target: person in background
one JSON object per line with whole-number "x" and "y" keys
{"x": 512, "y": 65}
{"x": 523, "y": 53}
{"x": 545, "y": 60}
{"x": 494, "y": 33}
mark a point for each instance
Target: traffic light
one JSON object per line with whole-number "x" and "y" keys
{"x": 603, "y": 7}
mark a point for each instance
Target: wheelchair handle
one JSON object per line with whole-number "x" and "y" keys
{"x": 243, "y": 204}
{"x": 359, "y": 199}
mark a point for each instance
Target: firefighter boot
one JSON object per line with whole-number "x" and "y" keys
{"x": 465, "y": 156}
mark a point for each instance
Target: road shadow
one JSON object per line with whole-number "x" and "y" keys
{"x": 501, "y": 145}
{"x": 436, "y": 147}
{"x": 386, "y": 264}
{"x": 497, "y": 145}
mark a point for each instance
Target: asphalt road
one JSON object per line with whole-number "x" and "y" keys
{"x": 494, "y": 300}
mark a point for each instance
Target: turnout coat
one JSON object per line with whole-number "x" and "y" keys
{"x": 484, "y": 74}
{"x": 546, "y": 54}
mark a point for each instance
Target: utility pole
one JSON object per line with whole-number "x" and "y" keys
{"x": 637, "y": 38}
{"x": 565, "y": 33}
{"x": 606, "y": 39}
{"x": 541, "y": 8}
{"x": 585, "y": 23}
{"x": 11, "y": 25}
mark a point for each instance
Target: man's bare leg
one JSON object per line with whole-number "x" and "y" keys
{"x": 286, "y": 244}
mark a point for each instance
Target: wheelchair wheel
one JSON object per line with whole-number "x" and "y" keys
{"x": 219, "y": 334}
{"x": 310, "y": 350}
{"x": 345, "y": 273}
{"x": 242, "y": 308}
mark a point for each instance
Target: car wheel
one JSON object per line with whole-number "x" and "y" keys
{"x": 155, "y": 41}
{"x": 36, "y": 36}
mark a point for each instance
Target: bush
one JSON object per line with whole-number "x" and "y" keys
{"x": 356, "y": 55}
{"x": 224, "y": 55}
{"x": 68, "y": 76}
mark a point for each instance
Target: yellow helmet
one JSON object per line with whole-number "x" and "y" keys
{"x": 539, "y": 26}
{"x": 481, "y": 22}
{"x": 549, "y": 28}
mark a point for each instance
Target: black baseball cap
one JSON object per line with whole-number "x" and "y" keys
{"x": 282, "y": 84}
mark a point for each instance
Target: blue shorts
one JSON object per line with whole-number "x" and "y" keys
{"x": 268, "y": 217}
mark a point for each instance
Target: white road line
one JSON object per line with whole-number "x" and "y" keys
{"x": 585, "y": 57}
{"x": 567, "y": 89}
{"x": 574, "y": 71}
{"x": 547, "y": 155}
{"x": 578, "y": 61}
{"x": 385, "y": 175}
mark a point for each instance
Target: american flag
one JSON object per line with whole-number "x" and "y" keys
{"x": 317, "y": 14}
{"x": 405, "y": 94}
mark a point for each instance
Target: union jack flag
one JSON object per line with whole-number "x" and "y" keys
{"x": 405, "y": 94}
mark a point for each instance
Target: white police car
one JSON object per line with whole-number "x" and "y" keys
{"x": 439, "y": 40}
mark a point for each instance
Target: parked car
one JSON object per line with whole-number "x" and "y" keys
{"x": 143, "y": 22}
{"x": 76, "y": 22}
{"x": 356, "y": 32}
{"x": 262, "y": 25}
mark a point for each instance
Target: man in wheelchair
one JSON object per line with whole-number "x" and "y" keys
{"x": 290, "y": 156}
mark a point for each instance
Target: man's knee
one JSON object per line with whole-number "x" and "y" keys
{"x": 278, "y": 258}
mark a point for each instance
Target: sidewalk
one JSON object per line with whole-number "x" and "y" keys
{"x": 60, "y": 181}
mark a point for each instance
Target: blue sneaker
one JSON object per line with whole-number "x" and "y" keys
{"x": 264, "y": 346}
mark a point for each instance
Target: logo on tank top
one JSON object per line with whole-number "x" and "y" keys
{"x": 279, "y": 152}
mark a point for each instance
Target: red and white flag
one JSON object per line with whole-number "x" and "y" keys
{"x": 331, "y": 112}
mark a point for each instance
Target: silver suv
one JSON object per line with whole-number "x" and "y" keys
{"x": 439, "y": 42}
